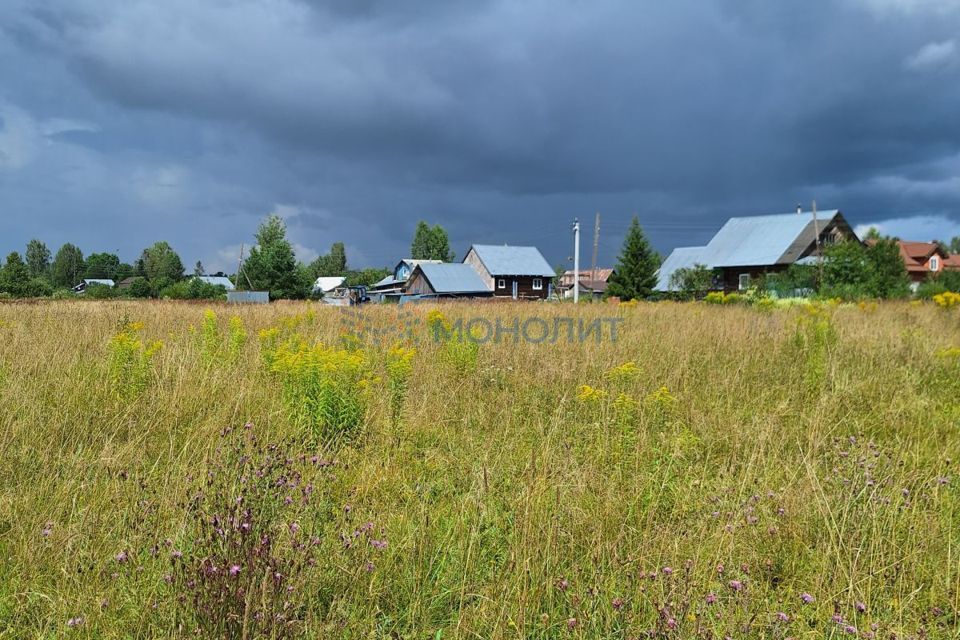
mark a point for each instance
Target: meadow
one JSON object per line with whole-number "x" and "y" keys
{"x": 179, "y": 470}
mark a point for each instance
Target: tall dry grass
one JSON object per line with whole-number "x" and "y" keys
{"x": 788, "y": 473}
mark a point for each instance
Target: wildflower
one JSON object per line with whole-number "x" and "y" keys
{"x": 75, "y": 622}
{"x": 379, "y": 545}
{"x": 234, "y": 570}
{"x": 47, "y": 530}
{"x": 347, "y": 508}
{"x": 807, "y": 598}
{"x": 905, "y": 492}
{"x": 736, "y": 585}
{"x": 176, "y": 554}
{"x": 711, "y": 598}
{"x": 852, "y": 630}
{"x": 563, "y": 584}
{"x": 294, "y": 527}
{"x": 667, "y": 571}
{"x": 861, "y": 607}
{"x": 369, "y": 567}
{"x": 121, "y": 557}
{"x": 617, "y": 604}
{"x": 782, "y": 617}
{"x": 671, "y": 623}
{"x": 572, "y": 624}
{"x": 720, "y": 569}
{"x": 837, "y": 618}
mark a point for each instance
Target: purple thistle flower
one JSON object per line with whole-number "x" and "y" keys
{"x": 617, "y": 604}
{"x": 176, "y": 554}
{"x": 861, "y": 607}
{"x": 852, "y": 630}
{"x": 667, "y": 571}
{"x": 563, "y": 584}
{"x": 736, "y": 585}
{"x": 369, "y": 567}
{"x": 807, "y": 598}
{"x": 837, "y": 618}
{"x": 671, "y": 623}
{"x": 234, "y": 570}
{"x": 379, "y": 545}
{"x": 782, "y": 617}
{"x": 121, "y": 557}
{"x": 711, "y": 598}
{"x": 294, "y": 527}
{"x": 572, "y": 623}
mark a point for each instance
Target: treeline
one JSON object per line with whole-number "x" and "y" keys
{"x": 159, "y": 271}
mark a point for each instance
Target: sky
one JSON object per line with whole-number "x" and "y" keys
{"x": 124, "y": 122}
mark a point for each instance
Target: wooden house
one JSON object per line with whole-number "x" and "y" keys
{"x": 747, "y": 248}
{"x": 445, "y": 280}
{"x": 515, "y": 272}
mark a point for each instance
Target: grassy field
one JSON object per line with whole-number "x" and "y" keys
{"x": 753, "y": 474}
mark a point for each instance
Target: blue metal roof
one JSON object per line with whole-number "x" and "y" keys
{"x": 681, "y": 258}
{"x": 756, "y": 241}
{"x": 453, "y": 277}
{"x": 504, "y": 260}
{"x": 759, "y": 240}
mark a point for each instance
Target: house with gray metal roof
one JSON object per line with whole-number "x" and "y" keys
{"x": 448, "y": 279}
{"x": 393, "y": 284}
{"x": 517, "y": 272}
{"x": 747, "y": 248}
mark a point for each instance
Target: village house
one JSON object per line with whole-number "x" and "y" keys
{"x": 445, "y": 280}
{"x": 515, "y": 272}
{"x": 392, "y": 286}
{"x": 750, "y": 247}
{"x": 87, "y": 282}
{"x": 327, "y": 284}
{"x": 218, "y": 280}
{"x": 593, "y": 283}
{"x": 925, "y": 260}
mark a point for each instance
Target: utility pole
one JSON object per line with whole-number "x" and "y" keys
{"x": 596, "y": 247}
{"x": 816, "y": 231}
{"x": 576, "y": 260}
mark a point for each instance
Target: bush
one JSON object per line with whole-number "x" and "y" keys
{"x": 193, "y": 289}
{"x": 99, "y": 292}
{"x": 140, "y": 288}
{"x": 941, "y": 283}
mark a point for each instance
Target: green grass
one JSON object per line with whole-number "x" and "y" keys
{"x": 803, "y": 452}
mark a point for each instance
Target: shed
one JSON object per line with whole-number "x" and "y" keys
{"x": 456, "y": 280}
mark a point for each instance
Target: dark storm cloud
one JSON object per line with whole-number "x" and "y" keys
{"x": 501, "y": 120}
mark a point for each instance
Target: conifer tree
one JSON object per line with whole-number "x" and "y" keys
{"x": 636, "y": 272}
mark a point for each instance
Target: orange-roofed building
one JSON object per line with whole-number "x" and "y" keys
{"x": 925, "y": 259}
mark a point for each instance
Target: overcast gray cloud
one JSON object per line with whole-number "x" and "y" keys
{"x": 127, "y": 121}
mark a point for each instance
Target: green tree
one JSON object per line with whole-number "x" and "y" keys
{"x": 160, "y": 262}
{"x": 67, "y": 267}
{"x": 102, "y": 265}
{"x": 198, "y": 269}
{"x": 272, "y": 265}
{"x": 690, "y": 281}
{"x": 635, "y": 275}
{"x": 366, "y": 277}
{"x": 887, "y": 275}
{"x": 38, "y": 259}
{"x": 845, "y": 271}
{"x": 955, "y": 244}
{"x": 15, "y": 276}
{"x": 331, "y": 264}
{"x": 872, "y": 234}
{"x": 431, "y": 243}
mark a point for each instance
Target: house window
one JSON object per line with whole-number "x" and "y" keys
{"x": 935, "y": 263}
{"x": 744, "y": 281}
{"x": 501, "y": 284}
{"x": 537, "y": 284}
